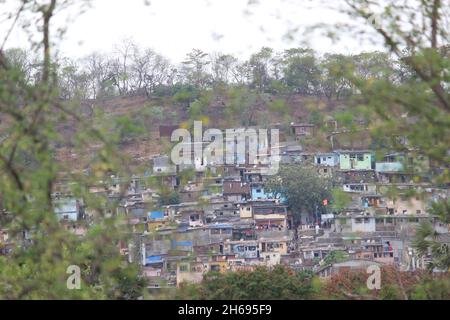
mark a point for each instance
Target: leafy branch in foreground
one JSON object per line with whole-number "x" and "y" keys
{"x": 32, "y": 115}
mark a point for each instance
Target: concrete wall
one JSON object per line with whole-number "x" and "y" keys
{"x": 388, "y": 166}
{"x": 70, "y": 216}
{"x": 411, "y": 206}
{"x": 245, "y": 212}
{"x": 359, "y": 188}
{"x": 164, "y": 169}
{"x": 271, "y": 258}
{"x": 348, "y": 163}
{"x": 280, "y": 247}
{"x": 188, "y": 276}
{"x": 326, "y": 159}
{"x": 363, "y": 224}
{"x": 233, "y": 197}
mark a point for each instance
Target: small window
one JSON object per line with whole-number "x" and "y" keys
{"x": 418, "y": 211}
{"x": 183, "y": 268}
{"x": 360, "y": 157}
{"x": 215, "y": 267}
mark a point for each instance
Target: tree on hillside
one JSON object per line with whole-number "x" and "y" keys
{"x": 372, "y": 66}
{"x": 304, "y": 190}
{"x": 301, "y": 71}
{"x": 242, "y": 106}
{"x": 222, "y": 66}
{"x": 99, "y": 75}
{"x": 333, "y": 83}
{"x": 72, "y": 83}
{"x": 26, "y": 62}
{"x": 242, "y": 73}
{"x": 260, "y": 64}
{"x": 121, "y": 66}
{"x": 195, "y": 68}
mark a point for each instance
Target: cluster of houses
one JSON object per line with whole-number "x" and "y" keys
{"x": 223, "y": 218}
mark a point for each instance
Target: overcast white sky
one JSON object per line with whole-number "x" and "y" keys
{"x": 174, "y": 27}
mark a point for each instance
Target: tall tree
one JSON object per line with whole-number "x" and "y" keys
{"x": 301, "y": 72}
{"x": 333, "y": 83}
{"x": 99, "y": 75}
{"x": 222, "y": 66}
{"x": 260, "y": 64}
{"x": 304, "y": 190}
{"x": 195, "y": 68}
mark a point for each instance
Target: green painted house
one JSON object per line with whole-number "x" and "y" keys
{"x": 356, "y": 160}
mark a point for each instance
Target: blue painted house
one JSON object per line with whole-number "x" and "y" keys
{"x": 258, "y": 193}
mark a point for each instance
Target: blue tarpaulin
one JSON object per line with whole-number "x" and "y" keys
{"x": 153, "y": 259}
{"x": 156, "y": 215}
